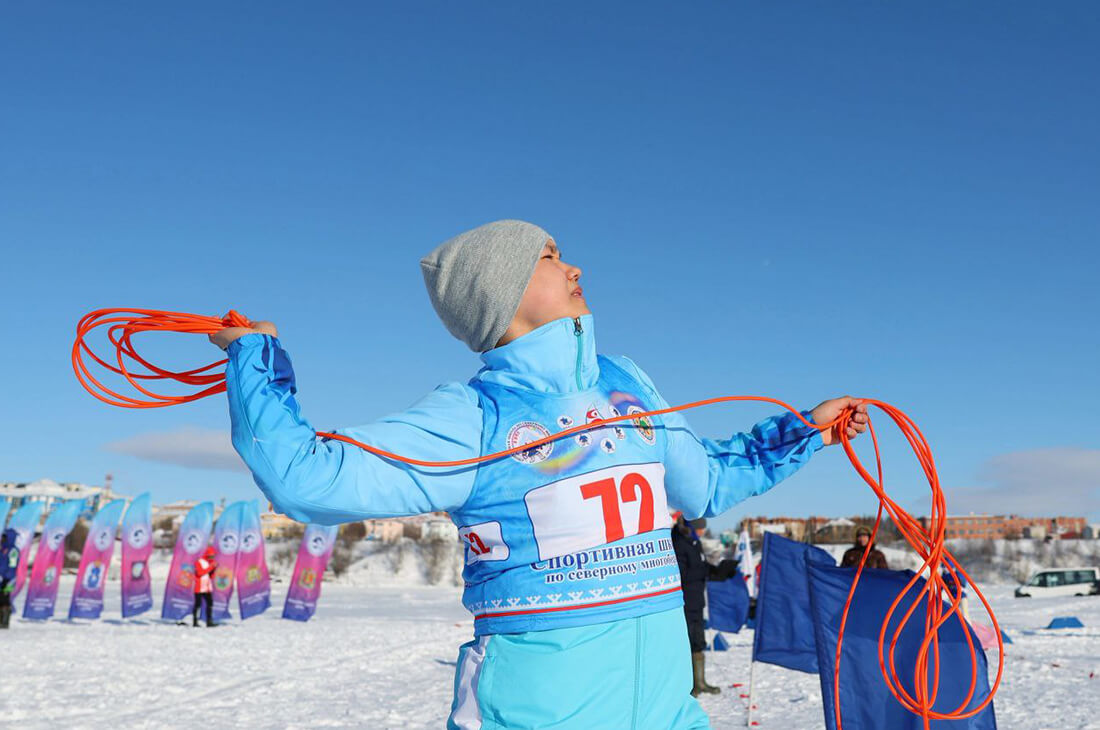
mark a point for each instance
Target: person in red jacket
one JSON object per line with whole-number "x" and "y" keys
{"x": 204, "y": 587}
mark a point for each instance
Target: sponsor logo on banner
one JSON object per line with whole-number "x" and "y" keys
{"x": 223, "y": 579}
{"x": 138, "y": 537}
{"x": 55, "y": 538}
{"x": 137, "y": 569}
{"x": 193, "y": 542}
{"x": 103, "y": 539}
{"x": 253, "y": 574}
{"x": 51, "y": 573}
{"x": 317, "y": 545}
{"x": 596, "y": 508}
{"x": 307, "y": 578}
{"x": 250, "y": 541}
{"x": 525, "y": 432}
{"x": 93, "y": 575}
{"x": 644, "y": 426}
{"x": 228, "y": 543}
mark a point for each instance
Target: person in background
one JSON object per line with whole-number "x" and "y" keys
{"x": 694, "y": 573}
{"x": 852, "y": 556}
{"x": 204, "y": 587}
{"x": 9, "y": 561}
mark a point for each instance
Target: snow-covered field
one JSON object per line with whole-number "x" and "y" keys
{"x": 383, "y": 657}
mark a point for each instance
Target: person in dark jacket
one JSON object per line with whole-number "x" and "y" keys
{"x": 694, "y": 573}
{"x": 9, "y": 562}
{"x": 852, "y": 556}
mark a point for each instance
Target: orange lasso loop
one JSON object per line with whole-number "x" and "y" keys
{"x": 928, "y": 542}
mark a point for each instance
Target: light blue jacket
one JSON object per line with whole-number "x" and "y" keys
{"x": 328, "y": 482}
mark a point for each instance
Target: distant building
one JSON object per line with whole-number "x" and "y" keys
{"x": 274, "y": 525}
{"x": 1091, "y": 532}
{"x": 389, "y": 530}
{"x": 994, "y": 527}
{"x": 52, "y": 493}
{"x": 174, "y": 511}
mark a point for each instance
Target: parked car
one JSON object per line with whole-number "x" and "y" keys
{"x": 1061, "y": 582}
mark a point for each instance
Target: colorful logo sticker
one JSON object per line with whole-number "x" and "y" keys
{"x": 608, "y": 446}
{"x": 564, "y": 421}
{"x": 644, "y": 425}
{"x": 583, "y": 439}
{"x": 620, "y": 432}
{"x": 524, "y": 433}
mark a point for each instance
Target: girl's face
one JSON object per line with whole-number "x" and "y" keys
{"x": 552, "y": 293}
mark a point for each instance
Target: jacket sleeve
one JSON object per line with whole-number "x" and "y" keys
{"x": 328, "y": 482}
{"x": 706, "y": 477}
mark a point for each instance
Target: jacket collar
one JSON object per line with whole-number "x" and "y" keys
{"x": 558, "y": 357}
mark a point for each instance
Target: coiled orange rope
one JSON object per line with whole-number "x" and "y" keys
{"x": 929, "y": 543}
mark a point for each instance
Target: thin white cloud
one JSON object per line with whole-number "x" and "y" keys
{"x": 194, "y": 448}
{"x": 1042, "y": 482}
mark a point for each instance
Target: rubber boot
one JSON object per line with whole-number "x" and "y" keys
{"x": 5, "y": 616}
{"x": 698, "y": 661}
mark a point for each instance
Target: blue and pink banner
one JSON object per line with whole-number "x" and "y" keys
{"x": 253, "y": 582}
{"x": 305, "y": 585}
{"x": 179, "y": 592}
{"x": 24, "y": 522}
{"x": 50, "y": 559}
{"x": 91, "y": 576}
{"x": 227, "y": 540}
{"x": 137, "y": 546}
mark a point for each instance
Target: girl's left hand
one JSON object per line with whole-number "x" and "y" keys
{"x": 831, "y": 409}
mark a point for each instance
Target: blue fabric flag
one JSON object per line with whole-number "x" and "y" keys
{"x": 866, "y": 702}
{"x": 727, "y": 604}
{"x": 784, "y": 632}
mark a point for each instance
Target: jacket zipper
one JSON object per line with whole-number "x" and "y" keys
{"x": 578, "y": 331}
{"x": 637, "y": 670}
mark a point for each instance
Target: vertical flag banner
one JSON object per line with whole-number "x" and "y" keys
{"x": 5, "y": 507}
{"x": 784, "y": 632}
{"x": 253, "y": 582}
{"x": 179, "y": 592}
{"x": 91, "y": 576}
{"x": 137, "y": 546}
{"x": 24, "y": 522}
{"x": 50, "y": 559}
{"x": 227, "y": 540}
{"x": 727, "y": 604}
{"x": 305, "y": 585}
{"x": 866, "y": 702}
{"x": 746, "y": 568}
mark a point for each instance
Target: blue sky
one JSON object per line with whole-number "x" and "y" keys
{"x": 798, "y": 200}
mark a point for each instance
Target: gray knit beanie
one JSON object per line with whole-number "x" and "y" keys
{"x": 477, "y": 279}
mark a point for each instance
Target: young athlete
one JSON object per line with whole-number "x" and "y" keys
{"x": 570, "y": 572}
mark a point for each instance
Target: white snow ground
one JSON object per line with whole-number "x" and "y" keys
{"x": 383, "y": 657}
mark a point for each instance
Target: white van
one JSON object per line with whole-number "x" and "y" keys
{"x": 1061, "y": 582}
